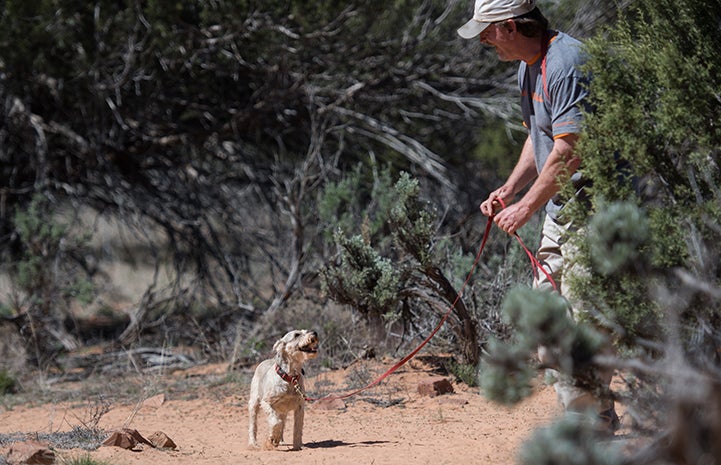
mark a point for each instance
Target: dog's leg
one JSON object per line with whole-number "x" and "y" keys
{"x": 275, "y": 427}
{"x": 283, "y": 417}
{"x": 298, "y": 416}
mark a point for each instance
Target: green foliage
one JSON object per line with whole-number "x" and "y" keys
{"x": 623, "y": 304}
{"x": 652, "y": 140}
{"x": 363, "y": 278}
{"x": 391, "y": 281}
{"x": 505, "y": 375}
{"x": 5, "y": 310}
{"x": 413, "y": 225}
{"x": 47, "y": 241}
{"x": 619, "y": 256}
{"x": 540, "y": 318}
{"x": 41, "y": 239}
{"x": 47, "y": 273}
{"x": 573, "y": 440}
{"x": 499, "y": 147}
{"x": 653, "y": 75}
{"x": 616, "y": 236}
{"x": 84, "y": 460}
{"x": 467, "y": 373}
{"x": 651, "y": 151}
{"x": 670, "y": 226}
{"x": 8, "y": 383}
{"x": 362, "y": 198}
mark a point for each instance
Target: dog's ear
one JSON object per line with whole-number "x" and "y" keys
{"x": 278, "y": 346}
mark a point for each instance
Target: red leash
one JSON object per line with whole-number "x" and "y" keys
{"x": 536, "y": 265}
{"x": 489, "y": 224}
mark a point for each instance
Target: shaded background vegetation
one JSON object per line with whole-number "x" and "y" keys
{"x": 226, "y": 140}
{"x": 210, "y": 174}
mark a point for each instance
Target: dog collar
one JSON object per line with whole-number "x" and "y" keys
{"x": 286, "y": 377}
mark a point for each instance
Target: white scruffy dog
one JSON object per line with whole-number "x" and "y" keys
{"x": 277, "y": 387}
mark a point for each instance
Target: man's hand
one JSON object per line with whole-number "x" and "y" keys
{"x": 513, "y": 217}
{"x": 496, "y": 200}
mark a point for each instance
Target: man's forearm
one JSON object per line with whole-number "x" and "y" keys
{"x": 561, "y": 162}
{"x": 525, "y": 170}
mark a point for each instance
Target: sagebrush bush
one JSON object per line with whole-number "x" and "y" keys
{"x": 8, "y": 383}
{"x": 506, "y": 373}
{"x": 84, "y": 460}
{"x": 572, "y": 440}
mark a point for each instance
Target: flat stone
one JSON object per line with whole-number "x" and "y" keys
{"x": 435, "y": 387}
{"x": 331, "y": 402}
{"x": 161, "y": 440}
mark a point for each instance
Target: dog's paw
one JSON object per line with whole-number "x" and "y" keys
{"x": 271, "y": 444}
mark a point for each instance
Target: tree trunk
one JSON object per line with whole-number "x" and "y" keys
{"x": 467, "y": 330}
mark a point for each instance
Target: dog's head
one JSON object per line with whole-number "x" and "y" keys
{"x": 297, "y": 345}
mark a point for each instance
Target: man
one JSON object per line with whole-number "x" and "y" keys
{"x": 552, "y": 92}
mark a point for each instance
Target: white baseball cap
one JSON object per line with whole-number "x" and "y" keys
{"x": 490, "y": 11}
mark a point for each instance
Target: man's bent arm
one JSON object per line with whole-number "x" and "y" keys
{"x": 561, "y": 161}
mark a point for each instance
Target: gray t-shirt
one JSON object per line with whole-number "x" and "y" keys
{"x": 553, "y": 109}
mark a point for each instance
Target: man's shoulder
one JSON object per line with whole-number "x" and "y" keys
{"x": 567, "y": 44}
{"x": 566, "y": 49}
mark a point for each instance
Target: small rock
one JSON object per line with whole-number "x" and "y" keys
{"x": 125, "y": 439}
{"x": 331, "y": 402}
{"x": 434, "y": 387}
{"x": 30, "y": 453}
{"x": 161, "y": 440}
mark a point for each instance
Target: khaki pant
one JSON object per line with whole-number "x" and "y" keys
{"x": 552, "y": 253}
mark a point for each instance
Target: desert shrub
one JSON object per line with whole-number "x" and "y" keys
{"x": 615, "y": 291}
{"x": 398, "y": 284}
{"x": 650, "y": 237}
{"x": 47, "y": 276}
{"x": 505, "y": 373}
{"x": 359, "y": 201}
{"x": 79, "y": 437}
{"x": 572, "y": 440}
{"x": 8, "y": 383}
{"x": 83, "y": 460}
{"x": 539, "y": 318}
{"x": 464, "y": 372}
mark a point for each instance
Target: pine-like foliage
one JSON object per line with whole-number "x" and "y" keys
{"x": 395, "y": 284}
{"x": 652, "y": 150}
{"x": 650, "y": 236}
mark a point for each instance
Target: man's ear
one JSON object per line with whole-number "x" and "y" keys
{"x": 509, "y": 26}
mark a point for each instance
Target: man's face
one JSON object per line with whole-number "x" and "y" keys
{"x": 501, "y": 37}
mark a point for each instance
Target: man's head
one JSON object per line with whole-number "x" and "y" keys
{"x": 487, "y": 12}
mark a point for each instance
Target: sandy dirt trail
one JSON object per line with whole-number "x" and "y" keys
{"x": 391, "y": 424}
